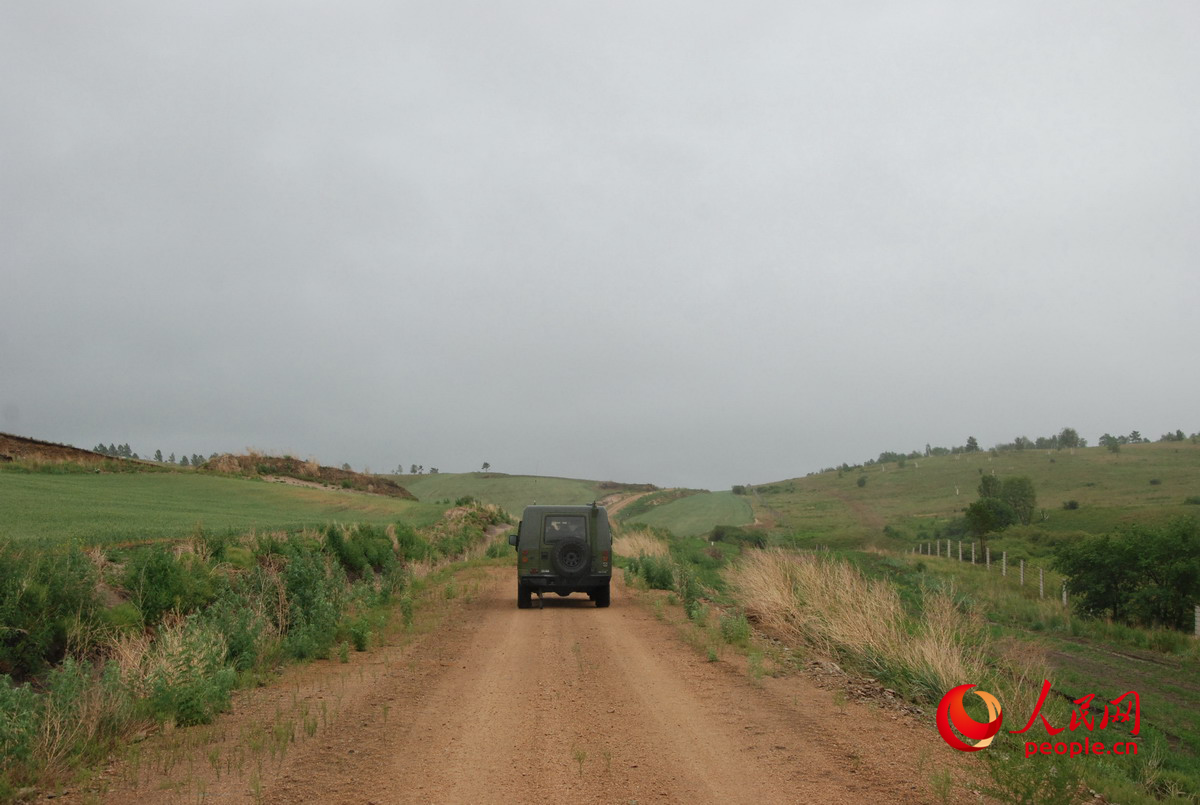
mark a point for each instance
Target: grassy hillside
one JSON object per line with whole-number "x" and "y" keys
{"x": 1142, "y": 483}
{"x": 512, "y": 492}
{"x": 697, "y": 514}
{"x": 106, "y": 508}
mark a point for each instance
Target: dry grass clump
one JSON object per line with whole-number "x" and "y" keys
{"x": 828, "y": 605}
{"x": 639, "y": 543}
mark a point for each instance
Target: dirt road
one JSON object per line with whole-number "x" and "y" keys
{"x": 567, "y": 703}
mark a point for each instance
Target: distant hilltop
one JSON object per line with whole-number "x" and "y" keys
{"x": 18, "y": 448}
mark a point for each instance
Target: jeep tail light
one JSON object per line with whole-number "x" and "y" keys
{"x": 525, "y": 557}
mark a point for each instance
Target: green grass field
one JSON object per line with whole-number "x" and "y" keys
{"x": 697, "y": 514}
{"x": 1111, "y": 488}
{"x": 511, "y": 492}
{"x": 104, "y": 508}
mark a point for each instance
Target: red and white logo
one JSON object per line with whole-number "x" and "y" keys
{"x": 951, "y": 712}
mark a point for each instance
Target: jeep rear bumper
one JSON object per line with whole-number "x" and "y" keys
{"x": 552, "y": 584}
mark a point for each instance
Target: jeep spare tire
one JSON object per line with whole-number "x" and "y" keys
{"x": 571, "y": 558}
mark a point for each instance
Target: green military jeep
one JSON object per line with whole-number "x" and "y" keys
{"x": 564, "y": 550}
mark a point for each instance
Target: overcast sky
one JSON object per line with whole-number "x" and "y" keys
{"x": 684, "y": 243}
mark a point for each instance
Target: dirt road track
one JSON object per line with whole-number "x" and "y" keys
{"x": 568, "y": 703}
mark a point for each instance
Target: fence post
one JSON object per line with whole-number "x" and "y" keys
{"x": 960, "y": 550}
{"x": 1022, "y": 572}
{"x": 1041, "y": 583}
{"x": 1004, "y": 563}
{"x": 1198, "y": 620}
{"x": 988, "y": 557}
{"x": 1064, "y": 593}
{"x": 972, "y": 553}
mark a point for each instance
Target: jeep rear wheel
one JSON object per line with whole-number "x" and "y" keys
{"x": 524, "y": 596}
{"x": 571, "y": 558}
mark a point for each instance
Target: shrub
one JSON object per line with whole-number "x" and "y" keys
{"x": 987, "y": 515}
{"x": 410, "y": 545}
{"x": 237, "y": 616}
{"x": 735, "y": 629}
{"x": 1144, "y": 574}
{"x": 313, "y": 603}
{"x": 160, "y": 582}
{"x": 124, "y": 616}
{"x": 689, "y": 590}
{"x": 746, "y": 536}
{"x": 185, "y": 676}
{"x": 360, "y": 633}
{"x": 1031, "y": 780}
{"x": 406, "y": 610}
{"x": 239, "y": 557}
{"x": 1071, "y": 505}
{"x": 80, "y": 712}
{"x": 392, "y": 582}
{"x": 656, "y": 571}
{"x": 41, "y": 596}
{"x": 376, "y": 547}
{"x": 349, "y": 552}
{"x": 18, "y": 722}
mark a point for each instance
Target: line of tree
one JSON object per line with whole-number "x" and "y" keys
{"x": 1067, "y": 438}
{"x": 195, "y": 460}
{"x": 1143, "y": 574}
{"x": 1113, "y": 443}
{"x": 114, "y": 450}
{"x": 124, "y": 451}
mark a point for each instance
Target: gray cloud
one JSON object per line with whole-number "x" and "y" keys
{"x": 685, "y": 244}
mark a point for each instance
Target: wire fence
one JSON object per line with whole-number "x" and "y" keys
{"x": 983, "y": 559}
{"x": 945, "y": 548}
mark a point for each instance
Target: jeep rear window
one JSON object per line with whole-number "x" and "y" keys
{"x": 561, "y": 526}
